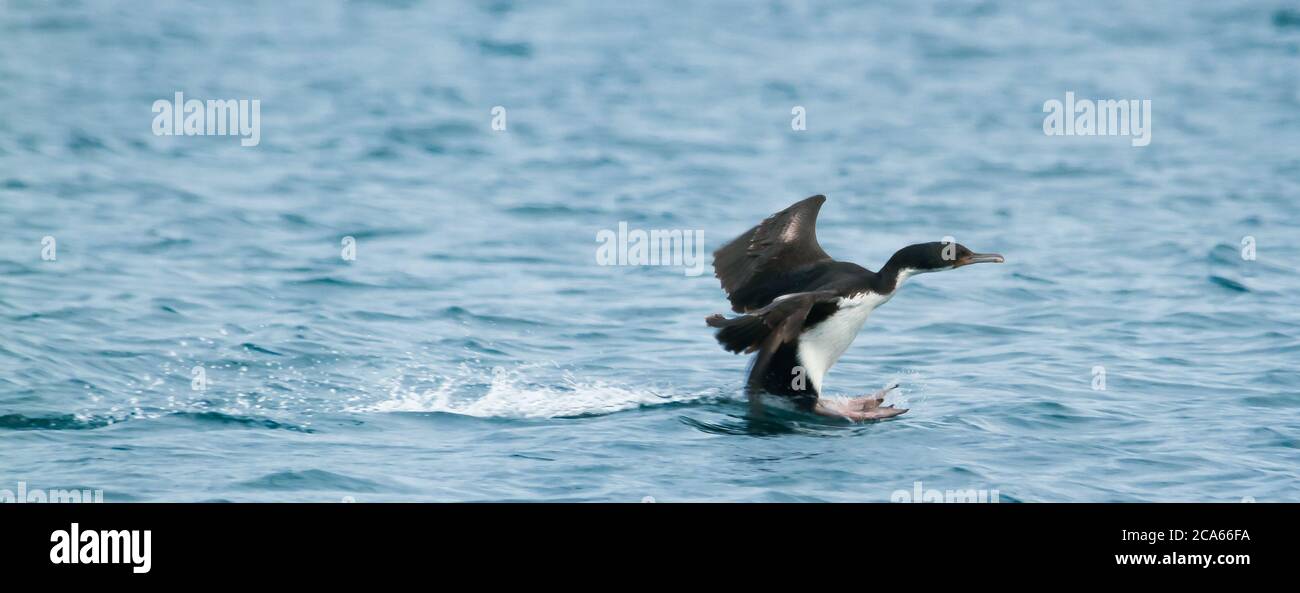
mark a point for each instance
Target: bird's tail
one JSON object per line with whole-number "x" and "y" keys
{"x": 740, "y": 334}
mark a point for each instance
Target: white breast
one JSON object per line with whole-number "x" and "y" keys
{"x": 821, "y": 346}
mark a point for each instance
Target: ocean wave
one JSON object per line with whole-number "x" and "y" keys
{"x": 96, "y": 421}
{"x": 52, "y": 422}
{"x": 312, "y": 479}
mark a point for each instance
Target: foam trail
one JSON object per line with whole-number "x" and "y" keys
{"x": 509, "y": 395}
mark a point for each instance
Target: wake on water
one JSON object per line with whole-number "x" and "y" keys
{"x": 290, "y": 397}
{"x": 514, "y": 394}
{"x": 531, "y": 391}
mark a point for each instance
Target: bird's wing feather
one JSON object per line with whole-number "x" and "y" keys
{"x": 769, "y": 327}
{"x": 751, "y": 266}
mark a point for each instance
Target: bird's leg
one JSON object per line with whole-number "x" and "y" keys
{"x": 859, "y": 408}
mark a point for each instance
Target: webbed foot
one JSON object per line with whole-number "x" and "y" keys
{"x": 873, "y": 401}
{"x": 860, "y": 409}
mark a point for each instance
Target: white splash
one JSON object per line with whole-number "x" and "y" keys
{"x": 510, "y": 395}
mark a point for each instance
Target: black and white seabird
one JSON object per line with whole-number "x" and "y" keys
{"x": 800, "y": 309}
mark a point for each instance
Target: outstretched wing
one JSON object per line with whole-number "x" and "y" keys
{"x": 755, "y": 266}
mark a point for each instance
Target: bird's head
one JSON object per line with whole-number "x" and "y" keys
{"x": 937, "y": 256}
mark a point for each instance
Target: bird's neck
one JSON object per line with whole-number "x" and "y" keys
{"x": 890, "y": 277}
{"x": 886, "y": 280}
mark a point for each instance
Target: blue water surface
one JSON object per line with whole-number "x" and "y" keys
{"x": 474, "y": 350}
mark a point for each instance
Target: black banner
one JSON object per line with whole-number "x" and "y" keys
{"x": 320, "y": 541}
